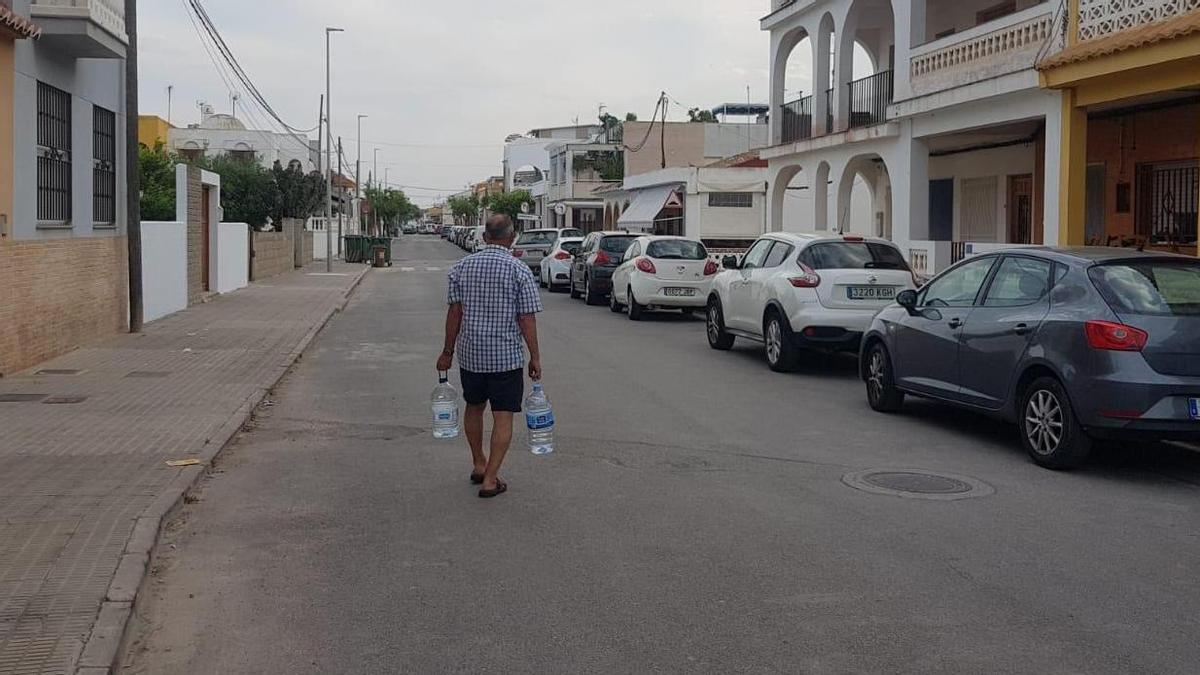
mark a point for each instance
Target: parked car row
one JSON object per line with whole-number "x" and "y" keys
{"x": 1072, "y": 345}
{"x": 467, "y": 237}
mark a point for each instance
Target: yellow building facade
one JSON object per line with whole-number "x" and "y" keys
{"x": 1130, "y": 77}
{"x": 152, "y": 130}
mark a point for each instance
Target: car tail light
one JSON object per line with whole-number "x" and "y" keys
{"x": 562, "y": 255}
{"x": 810, "y": 279}
{"x": 852, "y": 237}
{"x": 602, "y": 258}
{"x": 1115, "y": 336}
{"x": 517, "y": 253}
{"x": 711, "y": 268}
{"x": 646, "y": 265}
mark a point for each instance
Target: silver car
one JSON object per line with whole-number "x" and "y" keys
{"x": 533, "y": 245}
{"x": 1073, "y": 345}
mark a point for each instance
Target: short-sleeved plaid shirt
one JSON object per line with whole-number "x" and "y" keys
{"x": 494, "y": 288}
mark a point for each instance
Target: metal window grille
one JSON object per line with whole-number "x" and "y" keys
{"x": 742, "y": 200}
{"x": 1167, "y": 201}
{"x": 104, "y": 165}
{"x": 54, "y": 154}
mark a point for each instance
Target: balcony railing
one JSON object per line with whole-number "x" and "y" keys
{"x": 1100, "y": 18}
{"x": 829, "y": 111}
{"x": 869, "y": 99}
{"x": 108, "y": 14}
{"x": 797, "y": 120}
{"x": 1005, "y": 45}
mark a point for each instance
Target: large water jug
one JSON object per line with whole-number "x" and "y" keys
{"x": 539, "y": 417}
{"x": 445, "y": 408}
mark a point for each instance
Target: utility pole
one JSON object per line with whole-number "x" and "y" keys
{"x": 341, "y": 200}
{"x": 328, "y": 157}
{"x": 662, "y": 131}
{"x": 358, "y": 174}
{"x": 133, "y": 172}
{"x": 170, "y": 90}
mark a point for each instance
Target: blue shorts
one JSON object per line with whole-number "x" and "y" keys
{"x": 503, "y": 391}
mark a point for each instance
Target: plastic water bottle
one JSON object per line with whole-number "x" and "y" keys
{"x": 539, "y": 417}
{"x": 445, "y": 408}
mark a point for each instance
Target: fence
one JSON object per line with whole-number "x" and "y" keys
{"x": 869, "y": 99}
{"x": 797, "y": 120}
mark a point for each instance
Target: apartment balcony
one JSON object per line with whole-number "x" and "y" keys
{"x": 1102, "y": 18}
{"x": 1006, "y": 45}
{"x": 83, "y": 29}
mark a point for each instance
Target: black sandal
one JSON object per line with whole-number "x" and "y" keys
{"x": 476, "y": 478}
{"x": 501, "y": 488}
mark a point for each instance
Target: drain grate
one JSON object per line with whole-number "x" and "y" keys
{"x": 64, "y": 400}
{"x": 59, "y": 371}
{"x": 917, "y": 484}
{"x": 20, "y": 398}
{"x": 148, "y": 374}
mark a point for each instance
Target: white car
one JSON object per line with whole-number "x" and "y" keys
{"x": 555, "y": 268}
{"x": 797, "y": 292}
{"x": 662, "y": 273}
{"x": 474, "y": 240}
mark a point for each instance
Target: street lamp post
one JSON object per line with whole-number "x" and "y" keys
{"x": 329, "y": 156}
{"x": 375, "y": 175}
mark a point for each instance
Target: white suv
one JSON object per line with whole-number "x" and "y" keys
{"x": 805, "y": 291}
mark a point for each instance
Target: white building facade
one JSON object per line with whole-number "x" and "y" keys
{"x": 221, "y": 134}
{"x": 940, "y": 116}
{"x": 723, "y": 206}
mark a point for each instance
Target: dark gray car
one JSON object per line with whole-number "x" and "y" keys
{"x": 1071, "y": 344}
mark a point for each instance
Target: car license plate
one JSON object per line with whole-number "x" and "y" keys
{"x": 679, "y": 292}
{"x": 1194, "y": 408}
{"x": 870, "y": 293}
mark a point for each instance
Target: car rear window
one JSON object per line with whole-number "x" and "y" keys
{"x": 572, "y": 233}
{"x": 853, "y": 255}
{"x": 1153, "y": 287}
{"x": 616, "y": 244}
{"x": 676, "y": 249}
{"x": 571, "y": 247}
{"x": 537, "y": 237}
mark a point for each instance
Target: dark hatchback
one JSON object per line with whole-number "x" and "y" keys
{"x": 597, "y": 258}
{"x": 1073, "y": 345}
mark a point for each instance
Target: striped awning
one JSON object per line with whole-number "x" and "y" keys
{"x": 17, "y": 26}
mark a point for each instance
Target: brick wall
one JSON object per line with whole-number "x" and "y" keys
{"x": 195, "y": 235}
{"x": 271, "y": 253}
{"x": 59, "y": 294}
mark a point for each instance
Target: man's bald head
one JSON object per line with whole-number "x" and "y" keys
{"x": 499, "y": 230}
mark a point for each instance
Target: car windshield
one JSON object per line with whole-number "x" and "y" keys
{"x": 676, "y": 249}
{"x": 571, "y": 247}
{"x": 615, "y": 244}
{"x": 571, "y": 233}
{"x": 854, "y": 255}
{"x": 537, "y": 237}
{"x": 1153, "y": 287}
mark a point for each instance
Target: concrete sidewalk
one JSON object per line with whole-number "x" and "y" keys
{"x": 84, "y": 445}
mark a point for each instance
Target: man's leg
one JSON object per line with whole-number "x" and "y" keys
{"x": 473, "y": 423}
{"x": 502, "y": 432}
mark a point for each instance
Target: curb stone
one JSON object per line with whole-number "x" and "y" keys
{"x": 109, "y": 632}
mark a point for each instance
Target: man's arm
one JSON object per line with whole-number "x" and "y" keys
{"x": 454, "y": 315}
{"x": 528, "y": 325}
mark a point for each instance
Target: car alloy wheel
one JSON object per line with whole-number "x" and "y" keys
{"x": 774, "y": 342}
{"x": 882, "y": 394}
{"x": 1044, "y": 422}
{"x": 876, "y": 371}
{"x": 613, "y": 304}
{"x": 715, "y": 327}
{"x": 714, "y": 323}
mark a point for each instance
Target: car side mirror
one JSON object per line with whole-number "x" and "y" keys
{"x": 729, "y": 262}
{"x": 908, "y": 300}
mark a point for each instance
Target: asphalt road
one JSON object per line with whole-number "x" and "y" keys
{"x": 693, "y": 519}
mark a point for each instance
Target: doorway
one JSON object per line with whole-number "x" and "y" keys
{"x": 1020, "y": 209}
{"x": 205, "y": 239}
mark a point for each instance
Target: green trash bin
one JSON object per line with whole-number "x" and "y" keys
{"x": 381, "y": 242}
{"x": 355, "y": 248}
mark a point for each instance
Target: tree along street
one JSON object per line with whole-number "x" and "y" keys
{"x": 698, "y": 515}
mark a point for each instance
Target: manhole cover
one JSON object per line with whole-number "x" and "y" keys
{"x": 59, "y": 371}
{"x": 64, "y": 400}
{"x": 20, "y": 398}
{"x": 917, "y": 484}
{"x": 148, "y": 374}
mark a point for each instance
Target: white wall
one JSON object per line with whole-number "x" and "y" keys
{"x": 164, "y": 269}
{"x": 998, "y": 164}
{"x": 233, "y": 256}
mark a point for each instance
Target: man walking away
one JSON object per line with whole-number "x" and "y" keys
{"x": 494, "y": 301}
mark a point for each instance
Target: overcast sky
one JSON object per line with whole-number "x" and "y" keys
{"x": 445, "y": 81}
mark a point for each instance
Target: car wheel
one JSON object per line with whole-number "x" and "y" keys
{"x": 613, "y": 305}
{"x": 1049, "y": 430}
{"x": 882, "y": 393}
{"x": 781, "y": 353}
{"x": 635, "y": 310}
{"x": 589, "y": 297}
{"x": 575, "y": 295}
{"x": 717, "y": 337}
